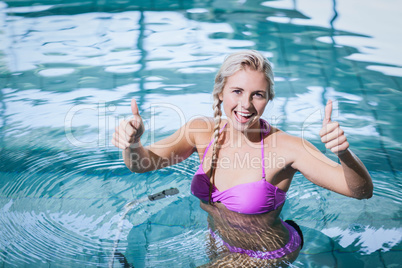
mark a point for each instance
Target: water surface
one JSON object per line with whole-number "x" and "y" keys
{"x": 69, "y": 70}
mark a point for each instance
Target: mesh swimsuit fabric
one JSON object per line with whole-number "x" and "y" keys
{"x": 292, "y": 245}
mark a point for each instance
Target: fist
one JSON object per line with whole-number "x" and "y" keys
{"x": 129, "y": 131}
{"x": 331, "y": 133}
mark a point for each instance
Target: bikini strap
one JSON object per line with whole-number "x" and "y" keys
{"x": 209, "y": 145}
{"x": 265, "y": 129}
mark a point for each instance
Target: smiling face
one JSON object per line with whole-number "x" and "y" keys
{"x": 244, "y": 98}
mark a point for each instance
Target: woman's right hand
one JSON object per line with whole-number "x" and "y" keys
{"x": 129, "y": 131}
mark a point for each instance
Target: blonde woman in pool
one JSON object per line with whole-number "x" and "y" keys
{"x": 247, "y": 165}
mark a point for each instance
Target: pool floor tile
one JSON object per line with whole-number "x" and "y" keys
{"x": 357, "y": 259}
{"x": 319, "y": 260}
{"x": 392, "y": 258}
{"x": 315, "y": 242}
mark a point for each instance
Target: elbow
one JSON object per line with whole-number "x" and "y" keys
{"x": 370, "y": 193}
{"x": 138, "y": 171}
{"x": 137, "y": 166}
{"x": 364, "y": 191}
{"x": 134, "y": 169}
{"x": 365, "y": 194}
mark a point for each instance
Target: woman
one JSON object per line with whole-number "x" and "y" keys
{"x": 247, "y": 165}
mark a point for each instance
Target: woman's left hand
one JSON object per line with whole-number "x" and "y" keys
{"x": 331, "y": 133}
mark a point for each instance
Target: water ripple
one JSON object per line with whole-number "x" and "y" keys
{"x": 42, "y": 203}
{"x": 61, "y": 202}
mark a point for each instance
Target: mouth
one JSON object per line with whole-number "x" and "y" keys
{"x": 243, "y": 117}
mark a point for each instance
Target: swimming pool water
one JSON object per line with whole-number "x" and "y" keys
{"x": 68, "y": 70}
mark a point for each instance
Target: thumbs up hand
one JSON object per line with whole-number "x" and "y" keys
{"x": 129, "y": 131}
{"x": 331, "y": 133}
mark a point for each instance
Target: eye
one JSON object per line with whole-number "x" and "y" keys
{"x": 259, "y": 95}
{"x": 237, "y": 91}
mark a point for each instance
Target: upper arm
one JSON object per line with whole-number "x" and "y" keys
{"x": 318, "y": 168}
{"x": 181, "y": 144}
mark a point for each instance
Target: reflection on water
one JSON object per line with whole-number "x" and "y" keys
{"x": 69, "y": 70}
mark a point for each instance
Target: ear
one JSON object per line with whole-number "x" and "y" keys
{"x": 220, "y": 96}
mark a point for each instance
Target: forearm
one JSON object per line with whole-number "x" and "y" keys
{"x": 132, "y": 157}
{"x": 356, "y": 175}
{"x": 139, "y": 159}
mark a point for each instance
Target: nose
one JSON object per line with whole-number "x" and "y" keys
{"x": 246, "y": 102}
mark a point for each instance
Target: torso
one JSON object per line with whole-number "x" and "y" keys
{"x": 237, "y": 171}
{"x": 263, "y": 231}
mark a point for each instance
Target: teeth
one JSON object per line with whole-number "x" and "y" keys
{"x": 244, "y": 114}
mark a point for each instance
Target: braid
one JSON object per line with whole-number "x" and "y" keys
{"x": 217, "y": 118}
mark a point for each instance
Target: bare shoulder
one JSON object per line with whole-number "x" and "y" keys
{"x": 201, "y": 123}
{"x": 284, "y": 139}
{"x": 204, "y": 124}
{"x": 202, "y": 129}
{"x": 288, "y": 145}
{"x": 298, "y": 151}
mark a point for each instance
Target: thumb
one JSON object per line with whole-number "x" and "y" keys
{"x": 328, "y": 112}
{"x": 134, "y": 107}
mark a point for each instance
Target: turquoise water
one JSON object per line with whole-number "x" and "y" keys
{"x": 68, "y": 71}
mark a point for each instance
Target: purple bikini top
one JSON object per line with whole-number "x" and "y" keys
{"x": 247, "y": 198}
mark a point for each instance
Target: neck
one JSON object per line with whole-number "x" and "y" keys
{"x": 251, "y": 134}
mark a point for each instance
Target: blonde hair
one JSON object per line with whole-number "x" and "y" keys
{"x": 232, "y": 64}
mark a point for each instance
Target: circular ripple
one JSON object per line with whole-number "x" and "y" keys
{"x": 65, "y": 206}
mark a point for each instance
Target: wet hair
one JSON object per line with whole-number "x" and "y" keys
{"x": 233, "y": 63}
